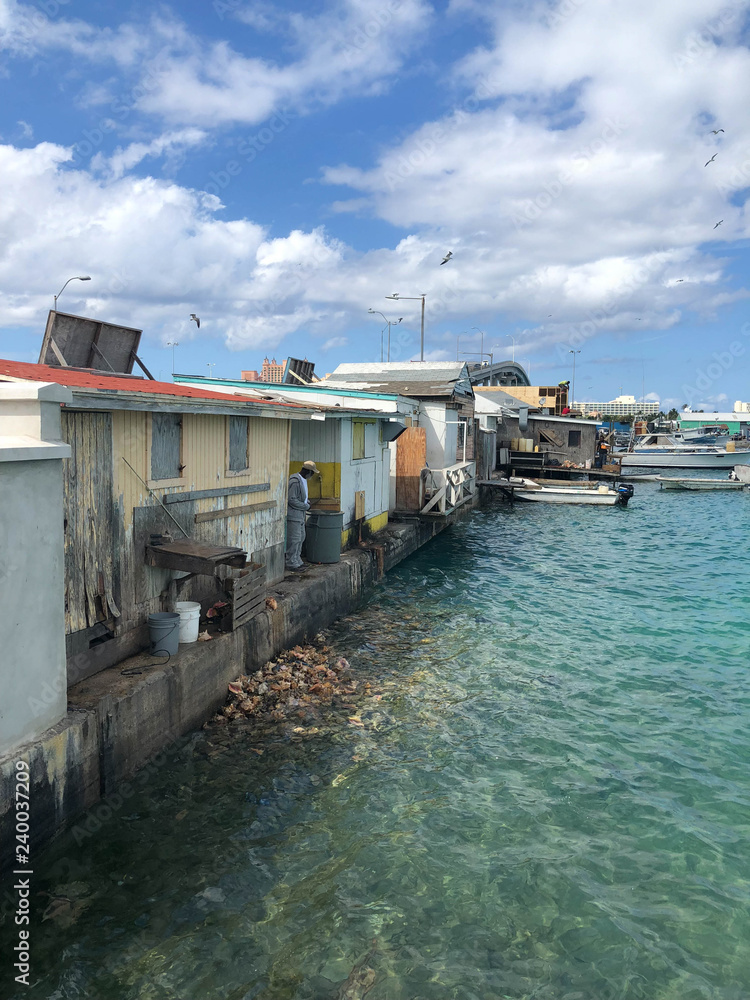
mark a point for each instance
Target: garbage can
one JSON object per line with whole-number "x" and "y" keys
{"x": 323, "y": 536}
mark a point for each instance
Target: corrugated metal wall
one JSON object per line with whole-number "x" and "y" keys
{"x": 205, "y": 442}
{"x": 205, "y": 456}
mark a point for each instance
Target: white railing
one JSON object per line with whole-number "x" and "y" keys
{"x": 443, "y": 490}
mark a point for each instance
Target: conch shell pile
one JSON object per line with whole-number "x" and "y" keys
{"x": 297, "y": 679}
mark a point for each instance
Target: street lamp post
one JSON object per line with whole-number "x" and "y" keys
{"x": 173, "y": 344}
{"x": 413, "y": 298}
{"x": 513, "y": 354}
{"x": 76, "y": 277}
{"x": 390, "y": 322}
{"x": 573, "y": 386}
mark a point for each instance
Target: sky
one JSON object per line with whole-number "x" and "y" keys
{"x": 279, "y": 168}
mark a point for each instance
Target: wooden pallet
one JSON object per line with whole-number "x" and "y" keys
{"x": 246, "y": 593}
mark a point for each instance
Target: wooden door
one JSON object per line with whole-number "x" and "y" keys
{"x": 91, "y": 558}
{"x": 411, "y": 458}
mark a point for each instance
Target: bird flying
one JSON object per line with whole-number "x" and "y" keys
{"x": 715, "y": 131}
{"x": 195, "y": 320}
{"x": 679, "y": 280}
{"x": 718, "y": 223}
{"x": 711, "y": 160}
{"x": 446, "y": 258}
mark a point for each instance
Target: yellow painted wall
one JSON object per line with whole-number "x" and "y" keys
{"x": 327, "y": 484}
{"x": 350, "y": 535}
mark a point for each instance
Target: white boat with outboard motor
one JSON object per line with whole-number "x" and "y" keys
{"x": 665, "y": 451}
{"x": 591, "y": 494}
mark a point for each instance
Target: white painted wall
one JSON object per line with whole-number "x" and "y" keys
{"x": 370, "y": 474}
{"x": 33, "y": 678}
{"x": 441, "y": 427}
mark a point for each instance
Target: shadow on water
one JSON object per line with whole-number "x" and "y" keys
{"x": 544, "y": 795}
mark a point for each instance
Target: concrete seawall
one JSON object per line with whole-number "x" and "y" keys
{"x": 121, "y": 718}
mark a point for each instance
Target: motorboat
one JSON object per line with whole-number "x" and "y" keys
{"x": 666, "y": 451}
{"x": 678, "y": 483}
{"x": 583, "y": 493}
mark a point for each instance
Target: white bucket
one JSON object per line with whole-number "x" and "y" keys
{"x": 190, "y": 613}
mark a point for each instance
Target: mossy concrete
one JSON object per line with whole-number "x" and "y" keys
{"x": 122, "y": 717}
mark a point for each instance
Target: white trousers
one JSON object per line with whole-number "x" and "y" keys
{"x": 295, "y": 537}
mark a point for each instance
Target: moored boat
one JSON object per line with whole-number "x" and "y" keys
{"x": 664, "y": 451}
{"x": 679, "y": 483}
{"x": 601, "y": 496}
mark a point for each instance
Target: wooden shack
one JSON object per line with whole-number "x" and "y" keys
{"x": 152, "y": 460}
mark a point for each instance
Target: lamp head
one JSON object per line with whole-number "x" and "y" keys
{"x": 84, "y": 277}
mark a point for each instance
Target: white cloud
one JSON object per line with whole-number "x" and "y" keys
{"x": 172, "y": 145}
{"x": 352, "y": 46}
{"x": 573, "y": 181}
{"x": 333, "y": 342}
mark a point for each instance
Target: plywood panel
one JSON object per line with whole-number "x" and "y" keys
{"x": 411, "y": 457}
{"x": 91, "y": 556}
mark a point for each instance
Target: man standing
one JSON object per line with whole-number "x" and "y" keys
{"x": 297, "y": 504}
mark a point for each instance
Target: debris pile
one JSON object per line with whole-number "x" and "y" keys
{"x": 297, "y": 681}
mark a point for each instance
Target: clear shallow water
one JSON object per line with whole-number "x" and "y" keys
{"x": 550, "y": 800}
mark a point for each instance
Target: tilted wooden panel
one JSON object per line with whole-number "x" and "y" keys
{"x": 411, "y": 458}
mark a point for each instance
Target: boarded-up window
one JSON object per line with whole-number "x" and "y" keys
{"x": 574, "y": 439}
{"x": 238, "y": 454}
{"x": 358, "y": 439}
{"x": 166, "y": 434}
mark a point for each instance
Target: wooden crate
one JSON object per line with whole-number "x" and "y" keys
{"x": 246, "y": 593}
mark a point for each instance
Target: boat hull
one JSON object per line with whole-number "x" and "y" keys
{"x": 686, "y": 460}
{"x": 700, "y": 485}
{"x": 588, "y": 497}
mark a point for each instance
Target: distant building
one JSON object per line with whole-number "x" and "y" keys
{"x": 736, "y": 422}
{"x": 622, "y": 406}
{"x": 548, "y": 398}
{"x": 272, "y": 371}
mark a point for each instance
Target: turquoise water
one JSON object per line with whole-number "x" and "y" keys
{"x": 548, "y": 800}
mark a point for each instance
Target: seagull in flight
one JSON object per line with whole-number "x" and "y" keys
{"x": 718, "y": 223}
{"x": 679, "y": 280}
{"x": 446, "y": 258}
{"x": 711, "y": 160}
{"x": 715, "y": 131}
{"x": 196, "y": 320}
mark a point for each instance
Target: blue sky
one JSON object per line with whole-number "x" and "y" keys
{"x": 279, "y": 168}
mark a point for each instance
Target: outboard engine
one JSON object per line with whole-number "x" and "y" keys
{"x": 624, "y": 493}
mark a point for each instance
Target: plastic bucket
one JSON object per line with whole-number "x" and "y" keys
{"x": 164, "y": 632}
{"x": 190, "y": 613}
{"x": 323, "y": 536}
